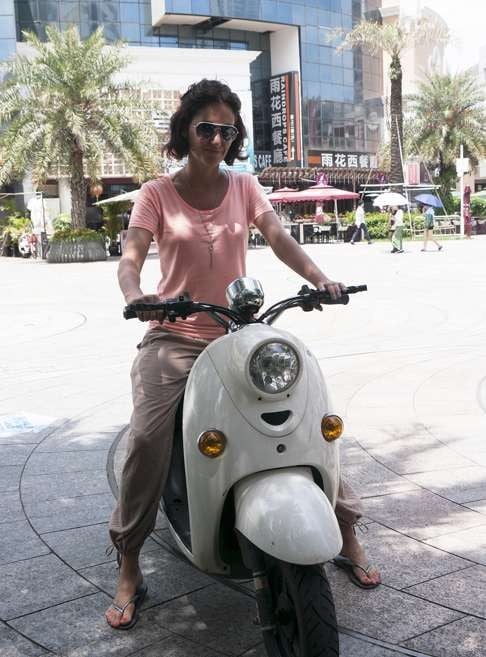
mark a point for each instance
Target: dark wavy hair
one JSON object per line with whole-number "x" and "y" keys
{"x": 200, "y": 95}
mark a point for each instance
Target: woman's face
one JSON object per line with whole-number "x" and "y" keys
{"x": 206, "y": 142}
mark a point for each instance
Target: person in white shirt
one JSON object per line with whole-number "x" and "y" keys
{"x": 397, "y": 227}
{"x": 360, "y": 223}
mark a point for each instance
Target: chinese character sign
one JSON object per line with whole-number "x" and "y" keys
{"x": 334, "y": 160}
{"x": 285, "y": 119}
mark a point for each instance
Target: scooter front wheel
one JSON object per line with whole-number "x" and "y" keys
{"x": 303, "y": 609}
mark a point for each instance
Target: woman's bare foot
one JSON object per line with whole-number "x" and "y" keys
{"x": 354, "y": 551}
{"x": 129, "y": 578}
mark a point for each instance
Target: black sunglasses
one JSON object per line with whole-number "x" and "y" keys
{"x": 207, "y": 131}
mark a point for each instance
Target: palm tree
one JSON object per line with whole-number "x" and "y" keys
{"x": 449, "y": 110}
{"x": 394, "y": 39}
{"x": 61, "y": 107}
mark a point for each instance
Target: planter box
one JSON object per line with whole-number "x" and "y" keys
{"x": 82, "y": 251}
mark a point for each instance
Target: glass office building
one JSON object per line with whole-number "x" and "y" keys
{"x": 7, "y": 29}
{"x": 339, "y": 94}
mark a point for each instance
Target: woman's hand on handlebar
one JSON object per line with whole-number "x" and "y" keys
{"x": 147, "y": 316}
{"x": 335, "y": 288}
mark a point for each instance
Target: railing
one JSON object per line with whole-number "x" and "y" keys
{"x": 448, "y": 224}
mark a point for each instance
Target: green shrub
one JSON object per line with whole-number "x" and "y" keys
{"x": 16, "y": 225}
{"x": 112, "y": 217}
{"x": 377, "y": 223}
{"x": 478, "y": 207}
{"x": 77, "y": 235}
{"x": 63, "y": 221}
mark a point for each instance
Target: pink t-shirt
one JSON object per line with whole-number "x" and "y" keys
{"x": 201, "y": 251}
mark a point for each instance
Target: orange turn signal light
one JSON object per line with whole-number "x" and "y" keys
{"x": 332, "y": 427}
{"x": 212, "y": 443}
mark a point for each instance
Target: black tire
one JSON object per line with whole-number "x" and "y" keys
{"x": 304, "y": 611}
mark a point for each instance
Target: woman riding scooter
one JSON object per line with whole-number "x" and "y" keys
{"x": 197, "y": 216}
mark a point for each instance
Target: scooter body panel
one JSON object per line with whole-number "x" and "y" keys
{"x": 285, "y": 514}
{"x": 220, "y": 395}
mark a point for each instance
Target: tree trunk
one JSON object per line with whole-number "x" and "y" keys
{"x": 396, "y": 120}
{"x": 447, "y": 179}
{"x": 78, "y": 190}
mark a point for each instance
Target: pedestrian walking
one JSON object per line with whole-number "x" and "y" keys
{"x": 360, "y": 223}
{"x": 429, "y": 218}
{"x": 397, "y": 230}
{"x": 197, "y": 216}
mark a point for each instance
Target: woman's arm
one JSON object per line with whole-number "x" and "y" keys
{"x": 288, "y": 251}
{"x": 134, "y": 254}
{"x": 131, "y": 263}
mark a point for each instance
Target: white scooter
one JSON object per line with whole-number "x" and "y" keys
{"x": 255, "y": 467}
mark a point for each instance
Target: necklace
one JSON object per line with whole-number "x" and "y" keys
{"x": 210, "y": 242}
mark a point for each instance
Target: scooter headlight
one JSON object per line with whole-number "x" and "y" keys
{"x": 274, "y": 367}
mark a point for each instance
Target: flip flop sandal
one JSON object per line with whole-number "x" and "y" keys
{"x": 135, "y": 600}
{"x": 348, "y": 566}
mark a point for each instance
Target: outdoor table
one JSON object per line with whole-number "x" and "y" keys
{"x": 308, "y": 232}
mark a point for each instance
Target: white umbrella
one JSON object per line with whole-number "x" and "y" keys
{"x": 390, "y": 199}
{"x": 128, "y": 196}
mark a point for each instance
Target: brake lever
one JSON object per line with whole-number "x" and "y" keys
{"x": 309, "y": 299}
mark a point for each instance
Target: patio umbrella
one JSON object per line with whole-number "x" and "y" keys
{"x": 320, "y": 193}
{"x": 390, "y": 199}
{"x": 283, "y": 195}
{"x": 323, "y": 193}
{"x": 429, "y": 199}
{"x": 317, "y": 193}
{"x": 128, "y": 196}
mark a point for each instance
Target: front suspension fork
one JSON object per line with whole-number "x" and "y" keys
{"x": 254, "y": 560}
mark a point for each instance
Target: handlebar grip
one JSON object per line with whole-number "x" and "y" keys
{"x": 327, "y": 300}
{"x": 133, "y": 309}
{"x": 128, "y": 313}
{"x": 343, "y": 300}
{"x": 352, "y": 289}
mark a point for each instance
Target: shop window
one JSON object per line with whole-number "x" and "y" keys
{"x": 48, "y": 11}
{"x": 130, "y": 32}
{"x": 110, "y": 12}
{"x": 128, "y": 13}
{"x": 169, "y": 41}
{"x": 112, "y": 33}
{"x": 69, "y": 12}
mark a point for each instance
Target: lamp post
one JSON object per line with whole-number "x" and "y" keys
{"x": 462, "y": 166}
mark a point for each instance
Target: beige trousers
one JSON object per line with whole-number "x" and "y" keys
{"x": 159, "y": 376}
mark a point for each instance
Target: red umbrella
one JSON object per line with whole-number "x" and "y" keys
{"x": 315, "y": 193}
{"x": 283, "y": 195}
{"x": 323, "y": 193}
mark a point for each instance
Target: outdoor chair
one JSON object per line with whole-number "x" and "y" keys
{"x": 341, "y": 232}
{"x": 444, "y": 226}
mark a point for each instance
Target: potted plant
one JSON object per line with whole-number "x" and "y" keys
{"x": 76, "y": 245}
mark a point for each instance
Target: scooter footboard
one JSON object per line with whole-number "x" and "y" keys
{"x": 285, "y": 514}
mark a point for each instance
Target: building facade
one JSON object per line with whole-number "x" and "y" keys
{"x": 304, "y": 103}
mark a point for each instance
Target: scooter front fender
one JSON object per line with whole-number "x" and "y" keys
{"x": 285, "y": 514}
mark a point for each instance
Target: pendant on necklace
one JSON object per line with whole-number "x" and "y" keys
{"x": 210, "y": 242}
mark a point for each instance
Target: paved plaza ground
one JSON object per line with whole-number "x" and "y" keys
{"x": 406, "y": 363}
